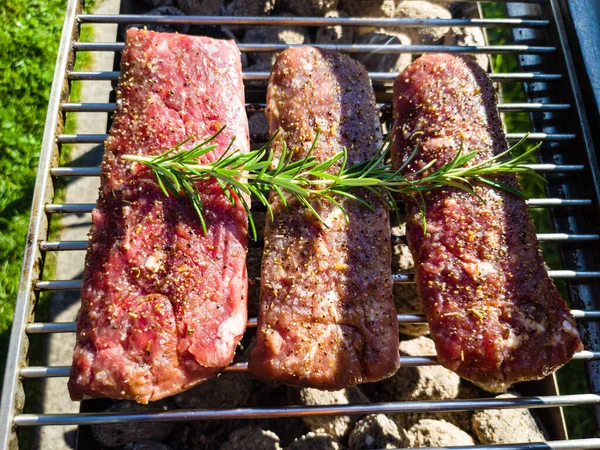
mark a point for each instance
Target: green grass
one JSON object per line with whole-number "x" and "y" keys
{"x": 29, "y": 40}
{"x": 28, "y": 48}
{"x": 571, "y": 378}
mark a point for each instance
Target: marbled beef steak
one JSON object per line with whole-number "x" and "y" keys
{"x": 163, "y": 304}
{"x": 327, "y": 316}
{"x": 495, "y": 315}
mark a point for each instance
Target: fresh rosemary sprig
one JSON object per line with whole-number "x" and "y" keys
{"x": 258, "y": 172}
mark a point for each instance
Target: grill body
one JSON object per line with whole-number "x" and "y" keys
{"x": 558, "y": 118}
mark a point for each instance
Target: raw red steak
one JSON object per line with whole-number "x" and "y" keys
{"x": 495, "y": 315}
{"x": 327, "y": 316}
{"x": 163, "y": 305}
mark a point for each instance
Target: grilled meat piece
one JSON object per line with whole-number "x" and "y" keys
{"x": 327, "y": 317}
{"x": 163, "y": 304}
{"x": 494, "y": 314}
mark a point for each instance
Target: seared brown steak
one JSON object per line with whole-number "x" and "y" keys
{"x": 163, "y": 304}
{"x": 327, "y": 316}
{"x": 495, "y": 315}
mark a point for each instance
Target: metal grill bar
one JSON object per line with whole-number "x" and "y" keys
{"x": 75, "y": 172}
{"x": 95, "y": 171}
{"x": 100, "y": 138}
{"x": 60, "y": 246}
{"x": 69, "y": 327}
{"x": 375, "y": 76}
{"x": 311, "y": 21}
{"x": 303, "y": 411}
{"x": 399, "y": 278}
{"x": 350, "y": 48}
{"x": 405, "y": 362}
{"x": 83, "y": 208}
{"x": 574, "y": 444}
{"x": 384, "y": 108}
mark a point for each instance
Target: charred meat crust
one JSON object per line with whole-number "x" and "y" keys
{"x": 495, "y": 315}
{"x": 327, "y": 316}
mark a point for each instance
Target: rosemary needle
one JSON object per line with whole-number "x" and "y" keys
{"x": 257, "y": 172}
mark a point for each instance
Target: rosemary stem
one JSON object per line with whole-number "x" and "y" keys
{"x": 397, "y": 181}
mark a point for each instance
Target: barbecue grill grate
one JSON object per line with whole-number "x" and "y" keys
{"x": 558, "y": 119}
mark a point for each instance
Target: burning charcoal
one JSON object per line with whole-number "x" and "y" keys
{"x": 252, "y": 438}
{"x": 155, "y": 3}
{"x": 405, "y": 295}
{"x": 239, "y": 8}
{"x": 274, "y": 35}
{"x": 505, "y": 426}
{"x": 368, "y": 8}
{"x": 417, "y": 383}
{"x": 250, "y": 8}
{"x": 115, "y": 434}
{"x": 257, "y": 123}
{"x": 309, "y": 7}
{"x": 423, "y": 10}
{"x": 337, "y": 426}
{"x": 468, "y": 36}
{"x": 147, "y": 445}
{"x": 430, "y": 382}
{"x": 315, "y": 441}
{"x": 160, "y": 27}
{"x": 436, "y": 433}
{"x": 335, "y": 34}
{"x": 275, "y": 395}
{"x": 408, "y": 302}
{"x": 402, "y": 260}
{"x": 230, "y": 390}
{"x": 376, "y": 431}
{"x": 383, "y": 62}
{"x": 201, "y": 7}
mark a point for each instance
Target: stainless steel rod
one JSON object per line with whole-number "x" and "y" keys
{"x": 563, "y": 237}
{"x": 95, "y": 171}
{"x": 63, "y": 371}
{"x": 100, "y": 138}
{"x": 556, "y": 168}
{"x": 541, "y": 136}
{"x": 75, "y": 171}
{"x": 81, "y": 208}
{"x": 350, "y": 48}
{"x": 405, "y": 362}
{"x": 375, "y": 76}
{"x": 386, "y": 108}
{"x": 54, "y": 327}
{"x": 303, "y": 411}
{"x": 59, "y": 246}
{"x": 548, "y": 202}
{"x": 312, "y": 21}
{"x": 69, "y": 208}
{"x": 572, "y": 444}
{"x": 75, "y": 285}
{"x": 69, "y": 327}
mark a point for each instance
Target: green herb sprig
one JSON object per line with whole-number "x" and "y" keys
{"x": 257, "y": 172}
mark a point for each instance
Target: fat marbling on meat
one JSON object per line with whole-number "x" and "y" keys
{"x": 495, "y": 315}
{"x": 327, "y": 317}
{"x": 163, "y": 304}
